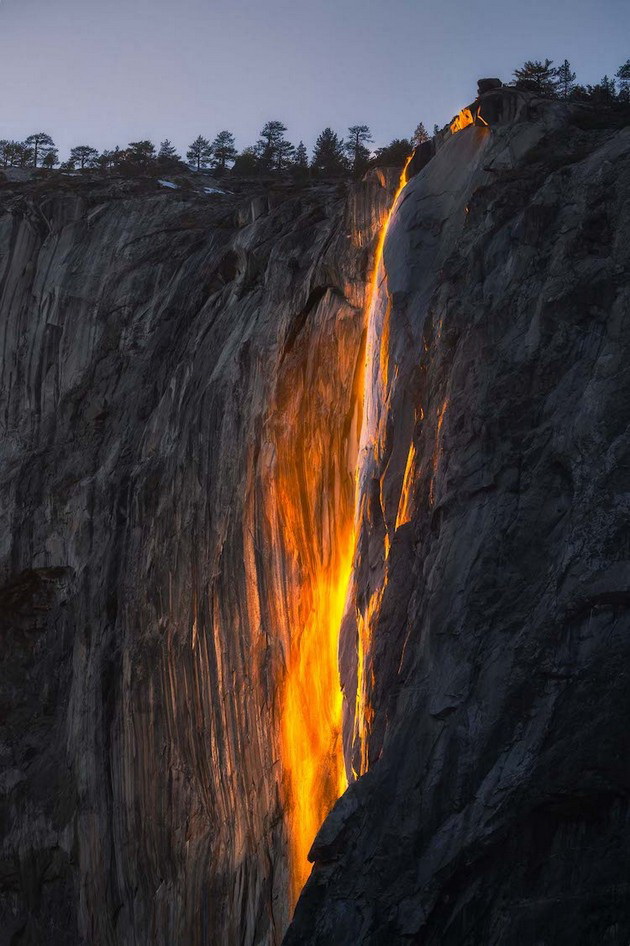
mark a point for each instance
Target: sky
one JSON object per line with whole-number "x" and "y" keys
{"x": 105, "y": 72}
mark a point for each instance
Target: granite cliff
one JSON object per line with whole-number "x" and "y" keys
{"x": 211, "y": 415}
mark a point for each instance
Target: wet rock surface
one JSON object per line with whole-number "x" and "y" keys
{"x": 495, "y": 808}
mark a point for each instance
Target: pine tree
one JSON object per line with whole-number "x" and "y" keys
{"x": 141, "y": 152}
{"x": 355, "y": 147}
{"x": 168, "y": 158}
{"x": 623, "y": 78}
{"x": 536, "y": 76}
{"x": 565, "y": 79}
{"x": 167, "y": 151}
{"x": 329, "y": 158}
{"x": 419, "y": 136}
{"x": 394, "y": 154}
{"x": 199, "y": 154}
{"x": 272, "y": 148}
{"x": 40, "y": 143}
{"x": 84, "y": 156}
{"x": 4, "y": 159}
{"x": 223, "y": 149}
{"x": 110, "y": 159}
{"x": 246, "y": 164}
{"x": 285, "y": 154}
{"x": 605, "y": 92}
{"x": 20, "y": 155}
{"x": 299, "y": 168}
{"x": 50, "y": 159}
{"x": 301, "y": 156}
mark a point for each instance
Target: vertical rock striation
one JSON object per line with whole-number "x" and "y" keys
{"x": 178, "y": 415}
{"x": 492, "y": 559}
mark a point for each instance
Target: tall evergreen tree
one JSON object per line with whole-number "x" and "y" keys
{"x": 84, "y": 156}
{"x": 141, "y": 152}
{"x": 604, "y": 93}
{"x": 108, "y": 160}
{"x": 50, "y": 159}
{"x": 299, "y": 169}
{"x": 246, "y": 164}
{"x": 223, "y": 150}
{"x": 167, "y": 157}
{"x": 536, "y": 76}
{"x": 420, "y": 135}
{"x": 4, "y": 153}
{"x": 355, "y": 147}
{"x": 167, "y": 151}
{"x": 19, "y": 154}
{"x": 199, "y": 154}
{"x": 565, "y": 79}
{"x": 301, "y": 156}
{"x": 272, "y": 148}
{"x": 394, "y": 154}
{"x": 39, "y": 143}
{"x": 623, "y": 78}
{"x": 329, "y": 158}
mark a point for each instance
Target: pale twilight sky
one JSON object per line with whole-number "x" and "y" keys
{"x": 103, "y": 72}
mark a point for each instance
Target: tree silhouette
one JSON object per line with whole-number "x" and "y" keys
{"x": 565, "y": 79}
{"x": 623, "y": 78}
{"x": 274, "y": 151}
{"x": 110, "y": 159}
{"x": 299, "y": 168}
{"x": 141, "y": 153}
{"x": 301, "y": 156}
{"x": 50, "y": 159}
{"x": 17, "y": 154}
{"x": 419, "y": 136}
{"x": 536, "y": 76}
{"x": 199, "y": 154}
{"x": 40, "y": 142}
{"x": 329, "y": 159}
{"x": 168, "y": 158}
{"x": 223, "y": 149}
{"x": 246, "y": 164}
{"x": 355, "y": 147}
{"x": 604, "y": 93}
{"x": 84, "y": 156}
{"x": 394, "y": 154}
{"x": 167, "y": 151}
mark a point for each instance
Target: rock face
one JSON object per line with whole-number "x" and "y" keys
{"x": 493, "y": 565}
{"x": 182, "y": 392}
{"x": 161, "y": 357}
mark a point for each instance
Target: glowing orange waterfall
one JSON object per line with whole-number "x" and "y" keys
{"x": 317, "y": 509}
{"x": 376, "y": 373}
{"x": 313, "y": 493}
{"x": 311, "y": 722}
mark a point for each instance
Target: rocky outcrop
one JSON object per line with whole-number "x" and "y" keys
{"x": 492, "y": 569}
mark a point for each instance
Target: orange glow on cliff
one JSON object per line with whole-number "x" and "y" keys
{"x": 466, "y": 118}
{"x": 404, "y": 503}
{"x": 318, "y": 509}
{"x": 364, "y": 711}
{"x": 311, "y": 722}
